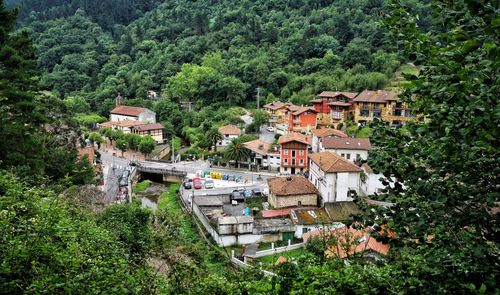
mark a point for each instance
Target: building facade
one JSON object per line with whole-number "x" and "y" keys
{"x": 228, "y": 132}
{"x": 263, "y": 154}
{"x": 301, "y": 119}
{"x": 319, "y": 134}
{"x": 334, "y": 177}
{"x": 351, "y": 149}
{"x": 277, "y": 112}
{"x": 156, "y": 131}
{"x": 383, "y": 105}
{"x": 291, "y": 191}
{"x": 294, "y": 150}
{"x": 122, "y": 113}
{"x": 333, "y": 107}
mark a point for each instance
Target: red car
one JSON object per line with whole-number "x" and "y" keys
{"x": 197, "y": 183}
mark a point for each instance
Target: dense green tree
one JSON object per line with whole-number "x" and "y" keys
{"x": 237, "y": 152}
{"x": 445, "y": 167}
{"x": 147, "y": 145}
{"x": 122, "y": 145}
{"x": 213, "y": 136}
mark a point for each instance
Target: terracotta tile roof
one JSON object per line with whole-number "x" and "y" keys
{"x": 128, "y": 123}
{"x": 146, "y": 127}
{"x": 341, "y": 211}
{"x": 89, "y": 150}
{"x": 275, "y": 213}
{"x": 300, "y": 110}
{"x": 327, "y": 132}
{"x": 258, "y": 146}
{"x": 108, "y": 124}
{"x": 310, "y": 216}
{"x": 379, "y": 96}
{"x": 333, "y": 163}
{"x": 352, "y": 240}
{"x": 346, "y": 143}
{"x": 291, "y": 186}
{"x": 333, "y": 94}
{"x": 294, "y": 137}
{"x": 230, "y": 130}
{"x": 367, "y": 168}
{"x": 280, "y": 260}
{"x": 276, "y": 105}
{"x": 128, "y": 111}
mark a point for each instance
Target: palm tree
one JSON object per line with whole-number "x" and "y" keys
{"x": 214, "y": 136}
{"x": 236, "y": 151}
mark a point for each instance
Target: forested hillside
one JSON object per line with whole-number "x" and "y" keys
{"x": 290, "y": 49}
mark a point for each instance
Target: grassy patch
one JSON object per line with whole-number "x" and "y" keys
{"x": 141, "y": 186}
{"x": 360, "y": 132}
{"x": 268, "y": 261}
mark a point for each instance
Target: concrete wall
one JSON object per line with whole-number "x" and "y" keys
{"x": 116, "y": 118}
{"x": 226, "y": 140}
{"x": 349, "y": 154}
{"x": 372, "y": 184}
{"x": 345, "y": 182}
{"x": 292, "y": 201}
{"x": 148, "y": 116}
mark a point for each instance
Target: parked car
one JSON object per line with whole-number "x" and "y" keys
{"x": 134, "y": 163}
{"x": 257, "y": 192}
{"x": 270, "y": 129}
{"x": 187, "y": 185}
{"x": 236, "y": 196}
{"x": 209, "y": 183}
{"x": 245, "y": 192}
{"x": 197, "y": 183}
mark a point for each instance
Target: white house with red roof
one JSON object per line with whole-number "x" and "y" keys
{"x": 122, "y": 113}
{"x": 334, "y": 176}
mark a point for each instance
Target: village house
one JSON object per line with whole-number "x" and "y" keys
{"x": 333, "y": 107}
{"x": 345, "y": 242}
{"x": 263, "y": 154}
{"x": 89, "y": 153}
{"x": 125, "y": 126}
{"x": 291, "y": 191}
{"x": 351, "y": 149}
{"x": 309, "y": 219}
{"x": 228, "y": 132}
{"x": 300, "y": 119}
{"x": 122, "y": 113}
{"x": 334, "y": 177}
{"x": 370, "y": 182}
{"x": 277, "y": 112}
{"x": 383, "y": 105}
{"x": 294, "y": 150}
{"x": 156, "y": 131}
{"x": 319, "y": 134}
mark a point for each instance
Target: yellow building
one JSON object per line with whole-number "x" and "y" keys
{"x": 156, "y": 131}
{"x": 381, "y": 104}
{"x": 277, "y": 111}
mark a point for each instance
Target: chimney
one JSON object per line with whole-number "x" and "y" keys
{"x": 118, "y": 100}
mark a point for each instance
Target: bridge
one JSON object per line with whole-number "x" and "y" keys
{"x": 168, "y": 174}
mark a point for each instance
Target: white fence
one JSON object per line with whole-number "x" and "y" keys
{"x": 277, "y": 250}
{"x": 243, "y": 264}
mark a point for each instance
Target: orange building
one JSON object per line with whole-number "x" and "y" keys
{"x": 333, "y": 107}
{"x": 301, "y": 119}
{"x": 294, "y": 149}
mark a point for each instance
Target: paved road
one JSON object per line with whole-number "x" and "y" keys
{"x": 266, "y": 135}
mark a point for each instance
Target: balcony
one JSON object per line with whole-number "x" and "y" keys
{"x": 297, "y": 121}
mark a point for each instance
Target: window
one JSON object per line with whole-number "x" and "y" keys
{"x": 348, "y": 156}
{"x": 301, "y": 162}
{"x": 299, "y": 203}
{"x": 358, "y": 156}
{"x": 342, "y": 155}
{"x": 286, "y": 161}
{"x": 286, "y": 152}
{"x": 293, "y": 153}
{"x": 293, "y": 161}
{"x": 301, "y": 153}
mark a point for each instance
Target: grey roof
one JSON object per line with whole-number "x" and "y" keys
{"x": 235, "y": 220}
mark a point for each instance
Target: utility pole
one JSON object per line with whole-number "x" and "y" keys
{"x": 258, "y": 97}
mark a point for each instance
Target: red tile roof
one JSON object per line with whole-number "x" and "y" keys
{"x": 291, "y": 186}
{"x": 275, "y": 213}
{"x": 346, "y": 143}
{"x": 300, "y": 110}
{"x": 230, "y": 130}
{"x": 333, "y": 163}
{"x": 379, "y": 96}
{"x": 147, "y": 127}
{"x": 294, "y": 137}
{"x": 258, "y": 146}
{"x": 128, "y": 111}
{"x": 352, "y": 240}
{"x": 333, "y": 94}
{"x": 327, "y": 132}
{"x": 276, "y": 105}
